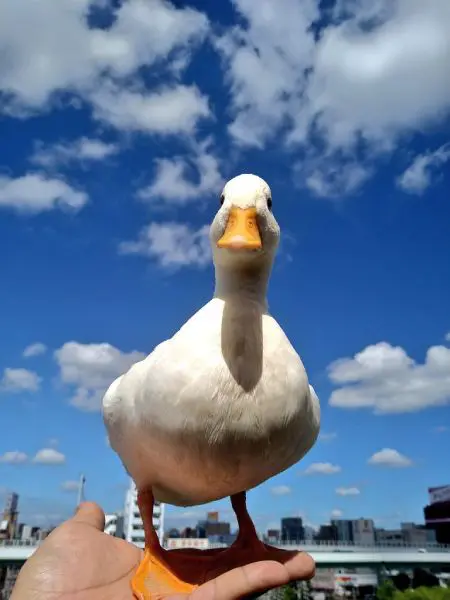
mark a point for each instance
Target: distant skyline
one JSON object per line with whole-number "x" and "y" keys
{"x": 117, "y": 139}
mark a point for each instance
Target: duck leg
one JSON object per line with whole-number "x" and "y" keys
{"x": 155, "y": 578}
{"x": 247, "y": 537}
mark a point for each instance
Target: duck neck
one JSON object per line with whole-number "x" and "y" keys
{"x": 244, "y": 284}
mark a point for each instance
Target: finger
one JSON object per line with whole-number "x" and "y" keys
{"x": 255, "y": 577}
{"x": 90, "y": 513}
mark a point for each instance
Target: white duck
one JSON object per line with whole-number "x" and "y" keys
{"x": 225, "y": 403}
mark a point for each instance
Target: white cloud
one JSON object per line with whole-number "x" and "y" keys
{"x": 447, "y": 337}
{"x": 172, "y": 245}
{"x": 19, "y": 380}
{"x": 173, "y": 184}
{"x": 266, "y": 62}
{"x": 281, "y": 490}
{"x": 332, "y": 178}
{"x": 378, "y": 71}
{"x": 14, "y": 457}
{"x": 384, "y": 378}
{"x": 380, "y": 81}
{"x": 169, "y": 110}
{"x": 441, "y": 429}
{"x": 91, "y": 368}
{"x": 34, "y": 350}
{"x": 418, "y": 177}
{"x": 35, "y": 192}
{"x": 327, "y": 437}
{"x": 83, "y": 149}
{"x": 336, "y": 513}
{"x": 387, "y": 457}
{"x": 70, "y": 486}
{"x": 72, "y": 56}
{"x": 347, "y": 491}
{"x": 49, "y": 456}
{"x": 322, "y": 468}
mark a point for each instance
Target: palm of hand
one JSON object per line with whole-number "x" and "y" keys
{"x": 79, "y": 561}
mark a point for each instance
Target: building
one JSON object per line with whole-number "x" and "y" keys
{"x": 273, "y": 536}
{"x": 344, "y": 530}
{"x": 26, "y": 533}
{"x": 8, "y": 522}
{"x": 114, "y": 524}
{"x": 292, "y": 528}
{"x": 363, "y": 532}
{"x": 326, "y": 533}
{"x": 308, "y": 533}
{"x": 437, "y": 513}
{"x": 417, "y": 535}
{"x": 133, "y": 527}
{"x": 212, "y": 527}
{"x": 389, "y": 536}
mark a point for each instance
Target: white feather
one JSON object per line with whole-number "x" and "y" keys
{"x": 225, "y": 403}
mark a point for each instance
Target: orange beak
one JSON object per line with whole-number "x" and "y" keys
{"x": 242, "y": 232}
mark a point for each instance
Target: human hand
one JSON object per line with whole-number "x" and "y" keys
{"x": 79, "y": 562}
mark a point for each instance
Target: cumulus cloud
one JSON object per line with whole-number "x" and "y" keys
{"x": 419, "y": 176}
{"x": 173, "y": 184}
{"x": 36, "y": 192}
{"x": 347, "y": 491}
{"x": 172, "y": 245}
{"x": 34, "y": 350}
{"x": 70, "y": 486}
{"x": 281, "y": 490}
{"x": 91, "y": 368}
{"x": 327, "y": 436}
{"x": 385, "y": 379}
{"x": 82, "y": 150}
{"x": 14, "y": 457}
{"x": 73, "y": 56}
{"x": 388, "y": 457}
{"x": 170, "y": 110}
{"x": 49, "y": 456}
{"x": 331, "y": 178}
{"x": 336, "y": 513}
{"x": 377, "y": 70}
{"x": 322, "y": 468}
{"x": 19, "y": 380}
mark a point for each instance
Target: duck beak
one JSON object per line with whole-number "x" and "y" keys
{"x": 242, "y": 232}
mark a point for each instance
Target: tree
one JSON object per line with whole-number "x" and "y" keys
{"x": 386, "y": 591}
{"x": 289, "y": 593}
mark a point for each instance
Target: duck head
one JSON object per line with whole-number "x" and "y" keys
{"x": 244, "y": 231}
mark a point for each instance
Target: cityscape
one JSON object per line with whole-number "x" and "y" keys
{"x": 338, "y": 535}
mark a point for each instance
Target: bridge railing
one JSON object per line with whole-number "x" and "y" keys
{"x": 360, "y": 546}
{"x": 324, "y": 545}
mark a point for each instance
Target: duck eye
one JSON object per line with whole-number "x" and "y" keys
{"x": 222, "y": 199}
{"x": 269, "y": 203}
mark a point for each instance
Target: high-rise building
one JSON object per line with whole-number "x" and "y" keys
{"x": 132, "y": 521}
{"x": 363, "y": 532}
{"x": 344, "y": 530}
{"x": 292, "y": 528}
{"x": 8, "y": 522}
{"x": 437, "y": 513}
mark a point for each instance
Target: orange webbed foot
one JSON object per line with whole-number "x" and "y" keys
{"x": 164, "y": 573}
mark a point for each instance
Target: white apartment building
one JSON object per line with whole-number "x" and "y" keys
{"x": 133, "y": 527}
{"x": 111, "y": 522}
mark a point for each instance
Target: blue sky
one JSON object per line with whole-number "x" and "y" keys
{"x": 121, "y": 123}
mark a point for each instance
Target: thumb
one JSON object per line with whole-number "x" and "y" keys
{"x": 91, "y": 514}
